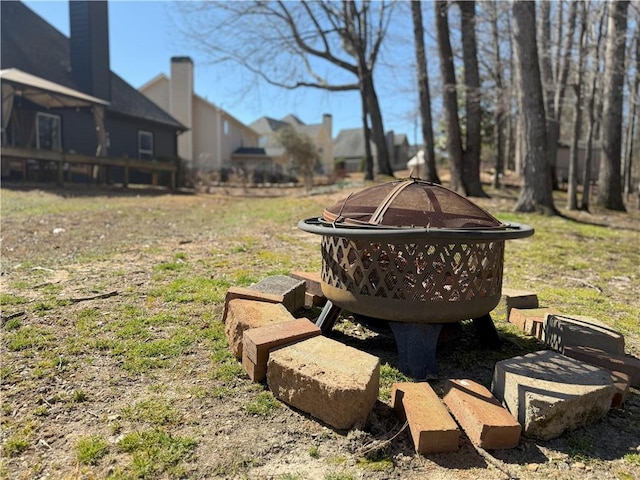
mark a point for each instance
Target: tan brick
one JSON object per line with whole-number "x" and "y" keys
{"x": 519, "y": 299}
{"x": 257, "y": 342}
{"x": 312, "y": 282}
{"x": 311, "y": 300}
{"x": 563, "y": 330}
{"x": 529, "y": 320}
{"x": 611, "y": 361}
{"x": 256, "y": 373}
{"x": 248, "y": 294}
{"x": 485, "y": 421}
{"x": 291, "y": 289}
{"x": 245, "y": 314}
{"x": 432, "y": 428}
{"x": 333, "y": 382}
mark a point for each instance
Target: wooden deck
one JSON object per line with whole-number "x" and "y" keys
{"x": 18, "y": 159}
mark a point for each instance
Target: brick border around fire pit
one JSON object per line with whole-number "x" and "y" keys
{"x": 340, "y": 387}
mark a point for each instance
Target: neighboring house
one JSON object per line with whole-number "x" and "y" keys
{"x": 562, "y": 161}
{"x": 349, "y": 150}
{"x": 59, "y": 95}
{"x": 214, "y": 135}
{"x": 319, "y": 133}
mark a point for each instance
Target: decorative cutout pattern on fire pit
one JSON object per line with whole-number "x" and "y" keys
{"x": 420, "y": 272}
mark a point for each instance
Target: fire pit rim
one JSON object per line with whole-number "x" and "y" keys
{"x": 318, "y": 226}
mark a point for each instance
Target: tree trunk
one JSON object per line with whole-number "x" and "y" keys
{"x": 368, "y": 157}
{"x": 628, "y": 187}
{"x": 431, "y": 172}
{"x": 377, "y": 129}
{"x": 450, "y": 104}
{"x": 536, "y": 191}
{"x": 499, "y": 109}
{"x": 572, "y": 194}
{"x": 609, "y": 180}
{"x": 591, "y": 115}
{"x": 471, "y": 156}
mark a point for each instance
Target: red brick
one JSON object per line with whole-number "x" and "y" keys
{"x": 432, "y": 428}
{"x": 245, "y": 314}
{"x": 256, "y": 373}
{"x": 485, "y": 421}
{"x": 311, "y": 300}
{"x": 621, "y": 382}
{"x": 312, "y": 282}
{"x": 611, "y": 361}
{"x": 529, "y": 320}
{"x": 257, "y": 342}
{"x": 519, "y": 299}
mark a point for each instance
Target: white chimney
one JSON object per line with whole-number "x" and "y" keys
{"x": 181, "y": 104}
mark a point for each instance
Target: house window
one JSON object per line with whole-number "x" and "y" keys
{"x": 226, "y": 127}
{"x": 262, "y": 141}
{"x": 145, "y": 145}
{"x": 49, "y": 132}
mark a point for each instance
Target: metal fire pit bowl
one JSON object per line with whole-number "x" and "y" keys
{"x": 412, "y": 251}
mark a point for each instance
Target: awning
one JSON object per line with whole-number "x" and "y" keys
{"x": 43, "y": 92}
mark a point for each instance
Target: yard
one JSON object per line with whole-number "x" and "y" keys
{"x": 115, "y": 364}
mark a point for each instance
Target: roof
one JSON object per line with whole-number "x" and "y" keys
{"x": 32, "y": 45}
{"x": 266, "y": 125}
{"x": 349, "y": 144}
{"x": 46, "y": 93}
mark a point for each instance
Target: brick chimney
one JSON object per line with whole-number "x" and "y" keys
{"x": 181, "y": 103}
{"x": 89, "y": 47}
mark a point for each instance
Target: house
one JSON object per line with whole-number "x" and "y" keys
{"x": 349, "y": 150}
{"x": 64, "y": 108}
{"x": 319, "y": 133}
{"x": 215, "y": 139}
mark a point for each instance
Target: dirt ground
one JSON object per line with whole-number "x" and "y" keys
{"x": 285, "y": 444}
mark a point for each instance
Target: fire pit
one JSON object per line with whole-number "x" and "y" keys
{"x": 416, "y": 254}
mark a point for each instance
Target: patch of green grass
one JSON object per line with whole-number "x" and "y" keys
{"x": 79, "y": 396}
{"x": 388, "y": 376}
{"x": 41, "y": 411}
{"x": 290, "y": 476}
{"x": 9, "y": 299}
{"x": 13, "y": 324}
{"x": 263, "y": 405}
{"x": 15, "y": 445}
{"x": 632, "y": 458}
{"x": 579, "y": 445}
{"x": 154, "y": 454}
{"x": 339, "y": 476}
{"x": 196, "y": 289}
{"x": 29, "y": 337}
{"x": 377, "y": 465}
{"x": 314, "y": 452}
{"x": 89, "y": 450}
{"x": 141, "y": 356}
{"x": 227, "y": 371}
{"x": 155, "y": 411}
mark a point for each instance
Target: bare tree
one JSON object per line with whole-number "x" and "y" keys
{"x": 287, "y": 44}
{"x": 632, "y": 112}
{"x": 609, "y": 180}
{"x": 471, "y": 154}
{"x": 536, "y": 191}
{"x": 572, "y": 194}
{"x": 591, "y": 110}
{"x": 425, "y": 97}
{"x": 454, "y": 138}
{"x": 302, "y": 152}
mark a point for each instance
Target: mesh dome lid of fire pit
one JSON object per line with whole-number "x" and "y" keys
{"x": 409, "y": 204}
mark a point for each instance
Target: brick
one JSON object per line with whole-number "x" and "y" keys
{"x": 432, "y": 428}
{"x": 519, "y": 299}
{"x": 256, "y": 373}
{"x": 313, "y": 282}
{"x": 561, "y": 331}
{"x": 621, "y": 382}
{"x": 311, "y": 300}
{"x": 248, "y": 294}
{"x": 257, "y": 342}
{"x": 485, "y": 421}
{"x": 245, "y": 314}
{"x": 613, "y": 362}
{"x": 291, "y": 289}
{"x": 529, "y": 320}
{"x": 332, "y": 382}
{"x": 549, "y": 393}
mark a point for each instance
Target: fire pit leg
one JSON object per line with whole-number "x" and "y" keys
{"x": 328, "y": 317}
{"x": 417, "y": 343}
{"x": 486, "y": 331}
